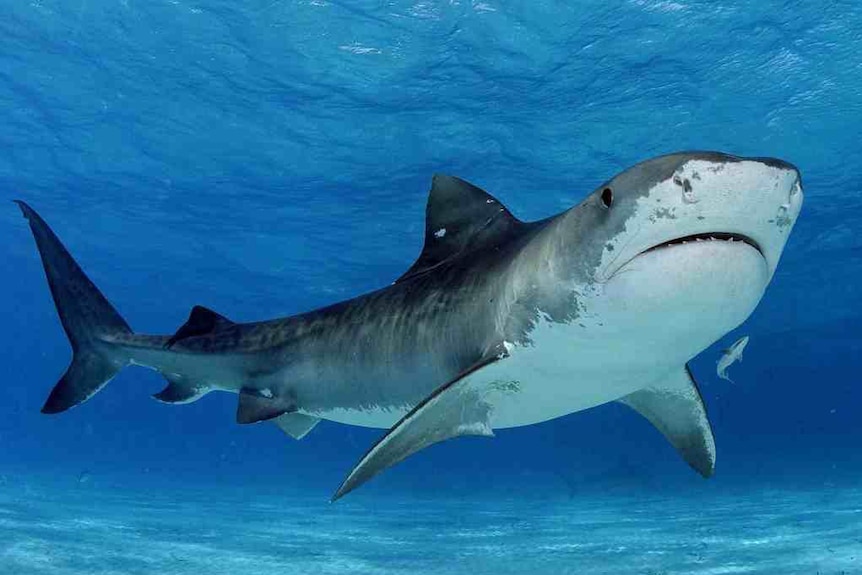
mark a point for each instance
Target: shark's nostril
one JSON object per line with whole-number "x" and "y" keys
{"x": 795, "y": 188}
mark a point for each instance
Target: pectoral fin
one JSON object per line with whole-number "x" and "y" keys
{"x": 456, "y": 408}
{"x": 675, "y": 407}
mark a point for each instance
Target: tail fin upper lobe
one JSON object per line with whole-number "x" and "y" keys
{"x": 86, "y": 316}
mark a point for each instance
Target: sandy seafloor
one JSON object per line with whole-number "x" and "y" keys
{"x": 93, "y": 530}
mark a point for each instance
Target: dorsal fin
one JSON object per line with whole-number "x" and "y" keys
{"x": 459, "y": 217}
{"x": 201, "y": 321}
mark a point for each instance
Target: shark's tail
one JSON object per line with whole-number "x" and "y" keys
{"x": 88, "y": 318}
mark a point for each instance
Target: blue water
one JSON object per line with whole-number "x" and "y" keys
{"x": 264, "y": 158}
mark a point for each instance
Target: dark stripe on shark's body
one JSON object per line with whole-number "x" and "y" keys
{"x": 481, "y": 287}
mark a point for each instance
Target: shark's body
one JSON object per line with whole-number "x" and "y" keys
{"x": 499, "y": 323}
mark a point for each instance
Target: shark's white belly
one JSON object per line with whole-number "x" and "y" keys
{"x": 568, "y": 368}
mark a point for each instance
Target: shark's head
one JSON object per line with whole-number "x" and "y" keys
{"x": 662, "y": 204}
{"x": 691, "y": 237}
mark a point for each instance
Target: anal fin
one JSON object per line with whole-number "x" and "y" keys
{"x": 454, "y": 409}
{"x": 180, "y": 390}
{"x": 675, "y": 407}
{"x": 296, "y": 425}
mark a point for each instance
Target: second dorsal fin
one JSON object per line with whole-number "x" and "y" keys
{"x": 459, "y": 216}
{"x": 202, "y": 321}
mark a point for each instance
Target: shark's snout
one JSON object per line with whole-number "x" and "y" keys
{"x": 779, "y": 164}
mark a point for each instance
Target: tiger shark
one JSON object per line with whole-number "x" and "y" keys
{"x": 499, "y": 323}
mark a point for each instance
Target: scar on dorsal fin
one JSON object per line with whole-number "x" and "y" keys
{"x": 202, "y": 321}
{"x": 256, "y": 405}
{"x": 675, "y": 407}
{"x": 180, "y": 390}
{"x": 459, "y": 217}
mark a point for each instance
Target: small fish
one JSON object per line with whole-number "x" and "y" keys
{"x": 730, "y": 355}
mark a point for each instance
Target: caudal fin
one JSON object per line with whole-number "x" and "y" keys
{"x": 88, "y": 318}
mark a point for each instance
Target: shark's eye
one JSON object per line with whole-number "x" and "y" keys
{"x": 607, "y": 197}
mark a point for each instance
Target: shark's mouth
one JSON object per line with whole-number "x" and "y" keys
{"x": 707, "y": 237}
{"x": 702, "y": 238}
